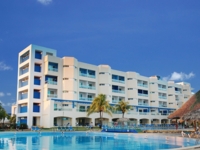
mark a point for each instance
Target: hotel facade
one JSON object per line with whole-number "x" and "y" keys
{"x": 53, "y": 91}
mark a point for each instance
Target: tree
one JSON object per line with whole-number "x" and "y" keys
{"x": 3, "y": 114}
{"x": 13, "y": 119}
{"x": 123, "y": 107}
{"x": 100, "y": 105}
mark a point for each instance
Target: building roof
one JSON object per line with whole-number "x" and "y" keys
{"x": 191, "y": 105}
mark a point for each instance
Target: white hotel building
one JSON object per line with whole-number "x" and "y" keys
{"x": 56, "y": 91}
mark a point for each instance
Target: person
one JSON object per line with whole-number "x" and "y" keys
{"x": 17, "y": 125}
{"x": 91, "y": 125}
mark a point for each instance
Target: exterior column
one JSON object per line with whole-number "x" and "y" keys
{"x": 73, "y": 121}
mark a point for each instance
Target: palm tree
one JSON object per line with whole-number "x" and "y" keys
{"x": 123, "y": 107}
{"x": 100, "y": 105}
{"x": 13, "y": 119}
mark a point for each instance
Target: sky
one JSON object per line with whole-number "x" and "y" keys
{"x": 149, "y": 37}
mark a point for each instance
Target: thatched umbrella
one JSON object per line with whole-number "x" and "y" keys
{"x": 192, "y": 116}
{"x": 191, "y": 105}
{"x": 123, "y": 120}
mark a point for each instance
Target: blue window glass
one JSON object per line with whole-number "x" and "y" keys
{"x": 36, "y": 94}
{"x": 53, "y": 66}
{"x": 23, "y": 120}
{"x": 23, "y": 109}
{"x": 36, "y": 80}
{"x": 36, "y": 107}
{"x": 115, "y": 77}
{"x": 38, "y": 55}
{"x": 37, "y": 68}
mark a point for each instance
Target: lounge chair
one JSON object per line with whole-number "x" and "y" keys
{"x": 32, "y": 128}
{"x": 37, "y": 128}
{"x": 70, "y": 128}
{"x": 59, "y": 128}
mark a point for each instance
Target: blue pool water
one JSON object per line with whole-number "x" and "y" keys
{"x": 90, "y": 141}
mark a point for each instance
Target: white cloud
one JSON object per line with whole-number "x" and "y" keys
{"x": 3, "y": 67}
{"x": 45, "y": 2}
{"x": 1, "y": 94}
{"x": 175, "y": 76}
{"x": 8, "y": 94}
{"x": 6, "y": 104}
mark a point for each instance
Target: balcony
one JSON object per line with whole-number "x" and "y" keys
{"x": 23, "y": 59}
{"x": 118, "y": 91}
{"x": 86, "y": 98}
{"x": 23, "y": 96}
{"x": 162, "y": 89}
{"x": 162, "y": 105}
{"x": 162, "y": 97}
{"x": 87, "y": 87}
{"x": 87, "y": 75}
{"x": 143, "y": 104}
{"x": 81, "y": 110}
{"x": 23, "y": 83}
{"x": 115, "y": 101}
{"x": 51, "y": 82}
{"x": 52, "y": 95}
{"x": 53, "y": 67}
{"x": 141, "y": 94}
{"x": 142, "y": 85}
{"x": 120, "y": 81}
{"x": 62, "y": 109}
{"x": 23, "y": 71}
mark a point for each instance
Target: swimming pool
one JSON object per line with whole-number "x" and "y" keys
{"x": 90, "y": 141}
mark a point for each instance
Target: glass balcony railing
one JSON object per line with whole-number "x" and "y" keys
{"x": 23, "y": 96}
{"x": 53, "y": 69}
{"x": 23, "y": 71}
{"x": 87, "y": 87}
{"x": 162, "y": 97}
{"x": 143, "y": 104}
{"x": 25, "y": 83}
{"x": 51, "y": 82}
{"x": 86, "y": 98}
{"x": 177, "y": 91}
{"x": 118, "y": 91}
{"x": 162, "y": 89}
{"x": 162, "y": 105}
{"x": 141, "y": 94}
{"x": 115, "y": 101}
{"x": 23, "y": 59}
{"x": 81, "y": 110}
{"x": 116, "y": 80}
{"x": 142, "y": 85}
{"x": 52, "y": 96}
{"x": 87, "y": 75}
{"x": 62, "y": 109}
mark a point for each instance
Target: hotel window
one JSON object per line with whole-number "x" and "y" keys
{"x": 49, "y": 54}
{"x": 130, "y": 79}
{"x": 152, "y": 92}
{"x": 169, "y": 86}
{"x": 130, "y": 98}
{"x": 101, "y": 72}
{"x": 65, "y": 65}
{"x": 101, "y": 84}
{"x": 130, "y": 88}
{"x": 38, "y": 54}
{"x": 37, "y": 68}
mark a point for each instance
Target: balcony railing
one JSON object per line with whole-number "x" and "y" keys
{"x": 162, "y": 105}
{"x": 52, "y": 96}
{"x": 86, "y": 98}
{"x": 87, "y": 75}
{"x": 143, "y": 104}
{"x": 25, "y": 83}
{"x": 87, "y": 87}
{"x": 118, "y": 91}
{"x": 162, "y": 89}
{"x": 115, "y": 101}
{"x": 162, "y": 97}
{"x": 120, "y": 81}
{"x": 23, "y": 71}
{"x": 23, "y": 96}
{"x": 51, "y": 82}
{"x": 53, "y": 69}
{"x": 23, "y": 59}
{"x": 178, "y": 92}
{"x": 62, "y": 109}
{"x": 81, "y": 110}
{"x": 142, "y": 85}
{"x": 140, "y": 94}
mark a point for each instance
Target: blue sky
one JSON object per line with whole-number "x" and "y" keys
{"x": 149, "y": 37}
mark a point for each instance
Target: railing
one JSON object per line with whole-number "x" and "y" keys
{"x": 87, "y": 87}
{"x": 51, "y": 82}
{"x": 52, "y": 95}
{"x": 162, "y": 106}
{"x": 177, "y": 91}
{"x": 87, "y": 75}
{"x": 162, "y": 89}
{"x": 115, "y": 101}
{"x": 81, "y": 110}
{"x": 140, "y": 94}
{"x": 53, "y": 69}
{"x": 23, "y": 59}
{"x": 85, "y": 98}
{"x": 118, "y": 91}
{"x": 162, "y": 97}
{"x": 25, "y": 83}
{"x": 23, "y": 96}
{"x": 23, "y": 71}
{"x": 62, "y": 109}
{"x": 143, "y": 104}
{"x": 120, "y": 81}
{"x": 142, "y": 85}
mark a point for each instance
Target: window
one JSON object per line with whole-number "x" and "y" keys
{"x": 36, "y": 107}
{"x": 170, "y": 95}
{"x": 65, "y": 91}
{"x": 130, "y": 88}
{"x": 130, "y": 98}
{"x": 36, "y": 94}
{"x": 169, "y": 86}
{"x": 65, "y": 105}
{"x": 152, "y": 83}
{"x": 65, "y": 78}
{"x": 170, "y": 103}
{"x": 130, "y": 79}
{"x": 184, "y": 89}
{"x": 38, "y": 54}
{"x": 101, "y": 84}
{"x": 152, "y": 92}
{"x": 49, "y": 54}
{"x": 152, "y": 101}
{"x": 36, "y": 80}
{"x": 37, "y": 68}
